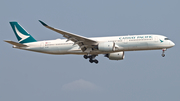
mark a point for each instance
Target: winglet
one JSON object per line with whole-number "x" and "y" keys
{"x": 44, "y": 24}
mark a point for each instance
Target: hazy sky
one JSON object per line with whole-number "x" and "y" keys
{"x": 141, "y": 76}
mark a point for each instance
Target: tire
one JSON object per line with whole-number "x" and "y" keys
{"x": 96, "y": 61}
{"x": 85, "y": 56}
{"x": 91, "y": 61}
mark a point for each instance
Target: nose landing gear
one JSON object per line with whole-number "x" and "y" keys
{"x": 163, "y": 50}
{"x": 91, "y": 58}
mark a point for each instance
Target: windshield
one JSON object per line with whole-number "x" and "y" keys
{"x": 166, "y": 38}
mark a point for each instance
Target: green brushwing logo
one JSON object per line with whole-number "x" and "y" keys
{"x": 161, "y": 41}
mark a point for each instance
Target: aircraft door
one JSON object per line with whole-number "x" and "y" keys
{"x": 42, "y": 45}
{"x": 156, "y": 39}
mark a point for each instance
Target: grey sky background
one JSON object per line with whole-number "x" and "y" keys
{"x": 141, "y": 76}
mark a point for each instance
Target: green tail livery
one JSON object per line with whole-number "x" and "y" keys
{"x": 22, "y": 35}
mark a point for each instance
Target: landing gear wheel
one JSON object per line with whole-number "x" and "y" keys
{"x": 91, "y": 61}
{"x": 163, "y": 55}
{"x": 96, "y": 61}
{"x": 91, "y": 58}
{"x": 163, "y": 51}
{"x": 85, "y": 56}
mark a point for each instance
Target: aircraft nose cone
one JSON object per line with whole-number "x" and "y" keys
{"x": 172, "y": 43}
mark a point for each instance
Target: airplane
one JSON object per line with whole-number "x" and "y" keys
{"x": 113, "y": 47}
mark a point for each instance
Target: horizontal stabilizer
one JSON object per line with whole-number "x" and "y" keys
{"x": 16, "y": 44}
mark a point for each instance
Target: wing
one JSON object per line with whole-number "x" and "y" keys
{"x": 16, "y": 44}
{"x": 83, "y": 42}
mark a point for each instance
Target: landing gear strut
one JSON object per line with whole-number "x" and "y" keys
{"x": 163, "y": 50}
{"x": 91, "y": 58}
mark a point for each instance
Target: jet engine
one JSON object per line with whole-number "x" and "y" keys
{"x": 106, "y": 46}
{"x": 115, "y": 56}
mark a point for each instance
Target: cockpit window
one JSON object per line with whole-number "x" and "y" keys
{"x": 166, "y": 38}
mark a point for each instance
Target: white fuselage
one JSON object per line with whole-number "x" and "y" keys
{"x": 124, "y": 43}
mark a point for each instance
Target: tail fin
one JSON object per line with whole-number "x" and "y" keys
{"x": 22, "y": 35}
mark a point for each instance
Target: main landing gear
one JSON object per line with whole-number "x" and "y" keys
{"x": 91, "y": 58}
{"x": 163, "y": 50}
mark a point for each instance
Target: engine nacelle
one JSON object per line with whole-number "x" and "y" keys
{"x": 106, "y": 46}
{"x": 115, "y": 56}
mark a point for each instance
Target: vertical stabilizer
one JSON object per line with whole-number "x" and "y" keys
{"x": 22, "y": 35}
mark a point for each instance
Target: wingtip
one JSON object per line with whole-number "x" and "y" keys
{"x": 44, "y": 24}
